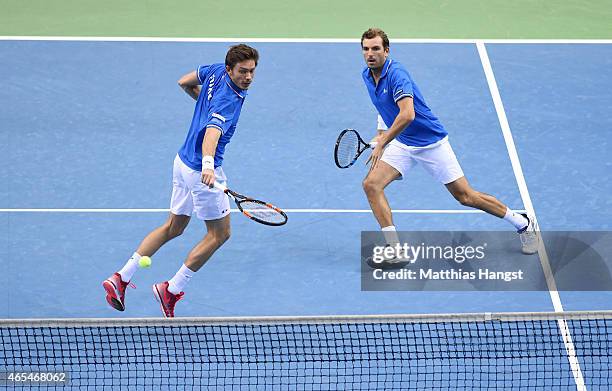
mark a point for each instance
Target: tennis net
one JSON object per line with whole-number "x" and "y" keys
{"x": 535, "y": 351}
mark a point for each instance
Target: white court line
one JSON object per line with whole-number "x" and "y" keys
{"x": 299, "y": 40}
{"x": 127, "y": 210}
{"x": 522, "y": 184}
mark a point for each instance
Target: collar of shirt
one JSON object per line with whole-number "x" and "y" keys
{"x": 384, "y": 72}
{"x": 241, "y": 93}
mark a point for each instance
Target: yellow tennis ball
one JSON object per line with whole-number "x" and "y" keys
{"x": 144, "y": 262}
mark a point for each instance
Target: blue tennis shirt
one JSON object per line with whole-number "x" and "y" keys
{"x": 218, "y": 106}
{"x": 395, "y": 83}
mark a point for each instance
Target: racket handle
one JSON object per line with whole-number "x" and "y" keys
{"x": 220, "y": 186}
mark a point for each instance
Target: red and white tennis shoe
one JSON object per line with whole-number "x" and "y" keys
{"x": 115, "y": 291}
{"x": 166, "y": 299}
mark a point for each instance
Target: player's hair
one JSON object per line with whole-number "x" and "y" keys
{"x": 374, "y": 32}
{"x": 239, "y": 53}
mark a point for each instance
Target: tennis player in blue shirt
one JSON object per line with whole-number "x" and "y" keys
{"x": 219, "y": 91}
{"x": 410, "y": 134}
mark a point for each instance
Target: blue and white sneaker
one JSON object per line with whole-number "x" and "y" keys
{"x": 530, "y": 236}
{"x": 392, "y": 262}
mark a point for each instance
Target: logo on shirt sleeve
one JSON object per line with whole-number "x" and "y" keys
{"x": 211, "y": 83}
{"x": 219, "y": 116}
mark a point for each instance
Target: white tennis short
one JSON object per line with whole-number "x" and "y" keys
{"x": 190, "y": 195}
{"x": 438, "y": 159}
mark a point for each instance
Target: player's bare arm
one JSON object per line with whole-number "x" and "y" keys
{"x": 191, "y": 84}
{"x": 403, "y": 119}
{"x": 209, "y": 146}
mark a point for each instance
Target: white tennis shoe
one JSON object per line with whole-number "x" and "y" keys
{"x": 391, "y": 262}
{"x": 530, "y": 236}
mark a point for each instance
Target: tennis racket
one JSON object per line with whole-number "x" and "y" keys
{"x": 256, "y": 210}
{"x": 349, "y": 147}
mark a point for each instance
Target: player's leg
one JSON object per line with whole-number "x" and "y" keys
{"x": 181, "y": 207}
{"x": 172, "y": 228}
{"x": 211, "y": 206}
{"x": 218, "y": 232}
{"x": 374, "y": 186}
{"x": 463, "y": 192}
{"x": 442, "y": 164}
{"x": 440, "y": 161}
{"x": 169, "y": 292}
{"x": 393, "y": 164}
{"x": 116, "y": 284}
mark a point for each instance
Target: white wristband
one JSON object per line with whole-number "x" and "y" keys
{"x": 208, "y": 163}
{"x": 380, "y": 123}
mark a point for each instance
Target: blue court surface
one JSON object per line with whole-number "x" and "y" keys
{"x": 96, "y": 125}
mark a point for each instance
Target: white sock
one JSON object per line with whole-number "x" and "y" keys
{"x": 390, "y": 235}
{"x": 180, "y": 279}
{"x": 130, "y": 267}
{"x": 518, "y": 220}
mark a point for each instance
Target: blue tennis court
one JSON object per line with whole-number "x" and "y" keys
{"x": 90, "y": 130}
{"x": 95, "y": 125}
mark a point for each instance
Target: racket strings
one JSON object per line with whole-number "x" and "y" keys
{"x": 347, "y": 150}
{"x": 262, "y": 212}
